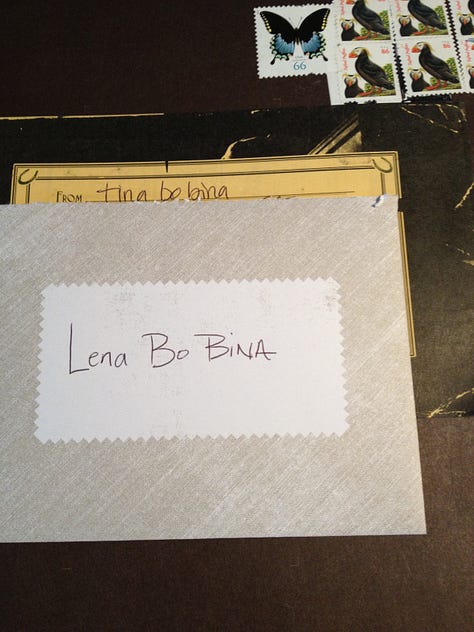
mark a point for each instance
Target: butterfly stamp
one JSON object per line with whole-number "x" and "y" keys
{"x": 361, "y": 20}
{"x": 430, "y": 66}
{"x": 367, "y": 72}
{"x": 294, "y": 40}
{"x": 420, "y": 18}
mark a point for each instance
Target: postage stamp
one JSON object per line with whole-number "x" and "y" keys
{"x": 466, "y": 50}
{"x": 366, "y": 72}
{"x": 463, "y": 18}
{"x": 362, "y": 20}
{"x": 294, "y": 40}
{"x": 430, "y": 66}
{"x": 417, "y": 18}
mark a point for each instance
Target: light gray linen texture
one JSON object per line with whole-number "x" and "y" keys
{"x": 366, "y": 482}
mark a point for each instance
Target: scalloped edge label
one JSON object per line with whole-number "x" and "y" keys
{"x": 196, "y": 359}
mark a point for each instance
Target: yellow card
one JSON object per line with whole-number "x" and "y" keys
{"x": 342, "y": 175}
{"x": 338, "y": 175}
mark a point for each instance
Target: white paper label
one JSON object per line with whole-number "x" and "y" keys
{"x": 191, "y": 359}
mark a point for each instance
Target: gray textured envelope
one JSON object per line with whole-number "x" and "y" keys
{"x": 366, "y": 481}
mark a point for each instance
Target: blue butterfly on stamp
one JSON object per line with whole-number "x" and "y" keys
{"x": 285, "y": 37}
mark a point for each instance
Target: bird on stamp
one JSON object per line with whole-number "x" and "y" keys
{"x": 435, "y": 66}
{"x": 370, "y": 20}
{"x": 371, "y": 72}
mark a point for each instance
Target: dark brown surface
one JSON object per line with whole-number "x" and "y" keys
{"x": 118, "y": 57}
{"x": 177, "y": 57}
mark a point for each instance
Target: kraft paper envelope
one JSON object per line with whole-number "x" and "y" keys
{"x": 206, "y": 369}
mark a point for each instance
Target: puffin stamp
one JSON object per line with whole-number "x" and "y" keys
{"x": 367, "y": 72}
{"x": 430, "y": 66}
{"x": 463, "y": 18}
{"x": 360, "y": 20}
{"x": 420, "y": 18}
{"x": 294, "y": 40}
{"x": 466, "y": 50}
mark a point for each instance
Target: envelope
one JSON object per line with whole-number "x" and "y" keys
{"x": 291, "y": 414}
